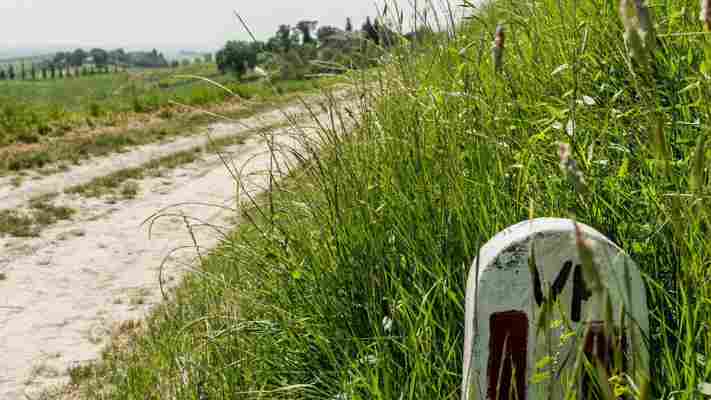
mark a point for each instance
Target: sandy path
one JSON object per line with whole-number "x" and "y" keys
{"x": 66, "y": 290}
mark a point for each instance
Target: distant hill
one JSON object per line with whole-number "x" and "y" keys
{"x": 9, "y": 55}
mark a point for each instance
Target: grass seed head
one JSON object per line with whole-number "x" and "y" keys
{"x": 639, "y": 29}
{"x": 627, "y": 14}
{"x": 587, "y": 259}
{"x": 498, "y": 49}
{"x": 646, "y": 26}
{"x": 570, "y": 167}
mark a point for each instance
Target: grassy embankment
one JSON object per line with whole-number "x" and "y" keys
{"x": 64, "y": 120}
{"x": 384, "y": 223}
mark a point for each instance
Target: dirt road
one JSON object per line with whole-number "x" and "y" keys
{"x": 65, "y": 291}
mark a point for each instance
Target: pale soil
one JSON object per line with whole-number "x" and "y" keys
{"x": 67, "y": 290}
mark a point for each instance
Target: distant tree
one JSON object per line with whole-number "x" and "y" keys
{"x": 152, "y": 59}
{"x": 61, "y": 73}
{"x": 78, "y": 57}
{"x": 208, "y": 57}
{"x": 385, "y": 35}
{"x": 175, "y": 64}
{"x": 186, "y": 62}
{"x": 369, "y": 31}
{"x": 23, "y": 74}
{"x": 61, "y": 58}
{"x": 326, "y": 31}
{"x": 33, "y": 72}
{"x": 349, "y": 25}
{"x": 284, "y": 33}
{"x": 420, "y": 35}
{"x": 283, "y": 41}
{"x": 52, "y": 70}
{"x": 238, "y": 57}
{"x": 378, "y": 32}
{"x": 44, "y": 73}
{"x": 306, "y": 29}
{"x": 118, "y": 57}
{"x": 100, "y": 56}
{"x": 3, "y": 76}
{"x": 11, "y": 72}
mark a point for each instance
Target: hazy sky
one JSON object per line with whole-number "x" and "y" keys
{"x": 139, "y": 23}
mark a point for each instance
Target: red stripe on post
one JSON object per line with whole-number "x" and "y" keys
{"x": 508, "y": 345}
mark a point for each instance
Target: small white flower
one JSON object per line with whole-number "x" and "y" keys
{"x": 455, "y": 94}
{"x": 704, "y": 388}
{"x": 589, "y": 101}
{"x": 559, "y": 69}
{"x": 369, "y": 359}
{"x": 557, "y": 126}
{"x": 391, "y": 239}
{"x": 387, "y": 324}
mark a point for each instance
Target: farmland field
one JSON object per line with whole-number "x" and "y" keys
{"x": 30, "y": 109}
{"x": 40, "y": 119}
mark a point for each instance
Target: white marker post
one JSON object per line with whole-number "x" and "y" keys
{"x": 505, "y": 297}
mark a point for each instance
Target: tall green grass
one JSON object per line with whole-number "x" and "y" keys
{"x": 353, "y": 288}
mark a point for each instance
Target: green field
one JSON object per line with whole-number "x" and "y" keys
{"x": 33, "y": 110}
{"x": 70, "y": 119}
{"x": 385, "y": 223}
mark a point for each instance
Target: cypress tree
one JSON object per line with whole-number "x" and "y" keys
{"x": 370, "y": 32}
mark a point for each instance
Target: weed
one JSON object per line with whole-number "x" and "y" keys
{"x": 130, "y": 190}
{"x": 16, "y": 224}
{"x": 95, "y": 110}
{"x": 81, "y": 372}
{"x": 17, "y": 180}
{"x": 28, "y": 223}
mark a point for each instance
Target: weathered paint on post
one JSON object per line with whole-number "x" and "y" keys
{"x": 504, "y": 299}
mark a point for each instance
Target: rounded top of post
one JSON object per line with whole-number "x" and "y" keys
{"x": 524, "y": 230}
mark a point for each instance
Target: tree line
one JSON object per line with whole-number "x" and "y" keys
{"x": 296, "y": 51}
{"x": 81, "y": 63}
